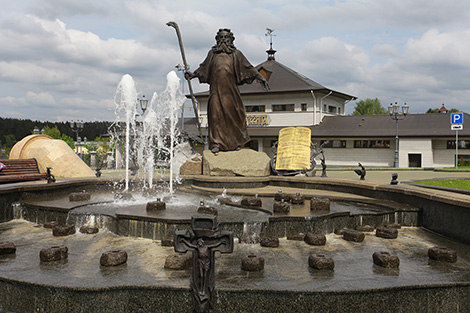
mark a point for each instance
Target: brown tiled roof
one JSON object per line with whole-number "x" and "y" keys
{"x": 364, "y": 126}
{"x": 283, "y": 79}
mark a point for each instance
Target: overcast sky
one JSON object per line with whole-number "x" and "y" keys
{"x": 61, "y": 60}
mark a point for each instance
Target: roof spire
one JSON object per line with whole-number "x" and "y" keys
{"x": 271, "y": 51}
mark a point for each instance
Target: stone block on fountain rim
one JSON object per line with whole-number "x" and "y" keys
{"x": 320, "y": 262}
{"x": 365, "y": 228}
{"x": 252, "y": 202}
{"x": 298, "y": 199}
{"x": 384, "y": 259}
{"x": 192, "y": 167}
{"x": 113, "y": 257}
{"x": 353, "y": 235}
{"x": 168, "y": 240}
{"x": 318, "y": 203}
{"x": 442, "y": 254}
{"x": 89, "y": 229}
{"x": 178, "y": 261}
{"x": 207, "y": 210}
{"x": 315, "y": 239}
{"x": 153, "y": 206}
{"x": 282, "y": 196}
{"x": 252, "y": 263}
{"x": 296, "y": 236}
{"x": 269, "y": 241}
{"x": 7, "y": 248}
{"x": 281, "y": 207}
{"x": 51, "y": 224}
{"x": 54, "y": 253}
{"x": 63, "y": 230}
{"x": 386, "y": 232}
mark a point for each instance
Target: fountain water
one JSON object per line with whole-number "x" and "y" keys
{"x": 159, "y": 134}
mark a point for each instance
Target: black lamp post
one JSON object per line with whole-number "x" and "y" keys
{"x": 76, "y": 128}
{"x": 143, "y": 104}
{"x": 394, "y": 111}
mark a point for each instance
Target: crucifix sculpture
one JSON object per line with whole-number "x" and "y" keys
{"x": 203, "y": 240}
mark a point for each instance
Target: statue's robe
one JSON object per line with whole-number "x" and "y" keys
{"x": 225, "y": 110}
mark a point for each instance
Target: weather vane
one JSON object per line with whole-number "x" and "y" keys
{"x": 269, "y": 32}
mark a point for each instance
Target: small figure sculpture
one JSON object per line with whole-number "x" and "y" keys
{"x": 50, "y": 177}
{"x": 224, "y": 69}
{"x": 394, "y": 179}
{"x": 361, "y": 172}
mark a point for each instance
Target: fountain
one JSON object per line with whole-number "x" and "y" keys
{"x": 309, "y": 255}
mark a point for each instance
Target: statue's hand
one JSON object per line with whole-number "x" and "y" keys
{"x": 189, "y": 75}
{"x": 263, "y": 83}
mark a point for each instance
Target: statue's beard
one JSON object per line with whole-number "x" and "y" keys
{"x": 225, "y": 47}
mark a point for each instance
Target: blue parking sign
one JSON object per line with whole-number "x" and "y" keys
{"x": 456, "y": 118}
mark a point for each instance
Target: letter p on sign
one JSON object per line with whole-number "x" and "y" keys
{"x": 456, "y": 118}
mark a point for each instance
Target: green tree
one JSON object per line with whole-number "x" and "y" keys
{"x": 369, "y": 107}
{"x": 54, "y": 132}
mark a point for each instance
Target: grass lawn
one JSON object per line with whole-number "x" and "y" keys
{"x": 452, "y": 183}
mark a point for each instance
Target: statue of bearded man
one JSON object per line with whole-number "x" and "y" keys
{"x": 224, "y": 69}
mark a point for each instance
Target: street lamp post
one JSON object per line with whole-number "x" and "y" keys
{"x": 76, "y": 128}
{"x": 394, "y": 111}
{"x": 143, "y": 104}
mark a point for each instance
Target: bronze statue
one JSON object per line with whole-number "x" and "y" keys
{"x": 224, "y": 69}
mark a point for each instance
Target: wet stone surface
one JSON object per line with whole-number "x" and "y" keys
{"x": 286, "y": 267}
{"x": 79, "y": 196}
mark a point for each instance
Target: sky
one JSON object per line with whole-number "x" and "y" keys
{"x": 62, "y": 60}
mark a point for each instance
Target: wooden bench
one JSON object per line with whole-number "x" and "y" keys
{"x": 20, "y": 170}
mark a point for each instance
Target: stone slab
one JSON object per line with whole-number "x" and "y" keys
{"x": 245, "y": 162}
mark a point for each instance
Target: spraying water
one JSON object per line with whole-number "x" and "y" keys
{"x": 126, "y": 99}
{"x": 159, "y": 134}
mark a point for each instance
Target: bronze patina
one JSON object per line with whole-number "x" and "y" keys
{"x": 224, "y": 69}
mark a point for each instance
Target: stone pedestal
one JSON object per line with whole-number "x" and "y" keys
{"x": 386, "y": 232}
{"x": 442, "y": 254}
{"x": 113, "y": 258}
{"x": 192, "y": 167}
{"x": 252, "y": 263}
{"x": 320, "y": 262}
{"x": 384, "y": 259}
{"x": 315, "y": 239}
{"x": 64, "y": 230}
{"x": 298, "y": 199}
{"x": 245, "y": 162}
{"x": 155, "y": 206}
{"x": 319, "y": 203}
{"x": 251, "y": 202}
{"x": 353, "y": 235}
{"x": 7, "y": 248}
{"x": 92, "y": 158}
{"x": 54, "y": 253}
{"x": 281, "y": 207}
{"x": 269, "y": 241}
{"x": 89, "y": 230}
{"x": 178, "y": 261}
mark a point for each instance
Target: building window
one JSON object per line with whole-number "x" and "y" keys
{"x": 334, "y": 143}
{"x": 331, "y": 109}
{"x": 255, "y": 108}
{"x": 303, "y": 106}
{"x": 339, "y": 110}
{"x": 371, "y": 143}
{"x": 283, "y": 107}
{"x": 463, "y": 144}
